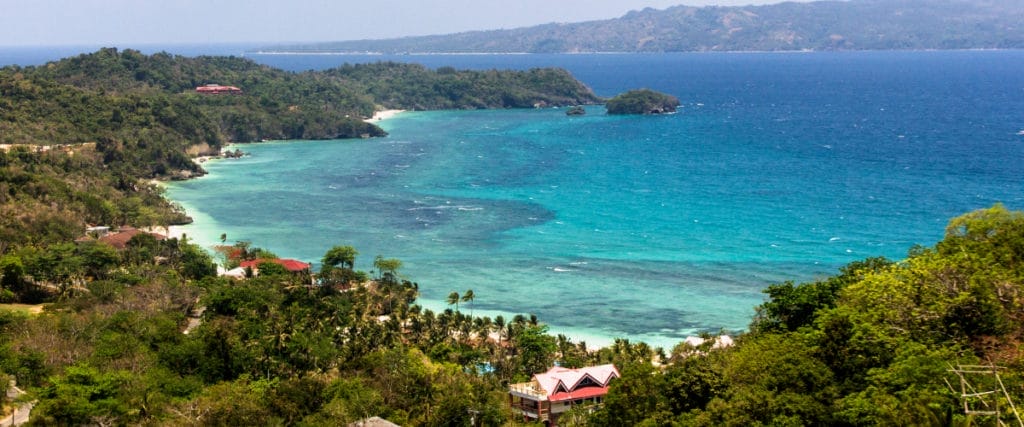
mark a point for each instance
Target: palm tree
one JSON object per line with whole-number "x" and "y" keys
{"x": 388, "y": 268}
{"x": 453, "y": 299}
{"x": 469, "y": 297}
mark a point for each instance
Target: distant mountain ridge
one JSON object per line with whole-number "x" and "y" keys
{"x": 815, "y": 26}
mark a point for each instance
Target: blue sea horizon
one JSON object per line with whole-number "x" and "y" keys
{"x": 778, "y": 167}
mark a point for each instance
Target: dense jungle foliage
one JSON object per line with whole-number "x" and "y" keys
{"x": 873, "y": 345}
{"x": 414, "y": 87}
{"x": 642, "y": 101}
{"x": 276, "y": 104}
{"x": 48, "y": 197}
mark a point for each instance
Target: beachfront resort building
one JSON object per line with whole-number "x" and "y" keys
{"x": 558, "y": 390}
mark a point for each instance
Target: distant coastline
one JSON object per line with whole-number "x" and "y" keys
{"x": 382, "y": 115}
{"x": 781, "y": 52}
{"x": 377, "y": 53}
{"x": 816, "y": 26}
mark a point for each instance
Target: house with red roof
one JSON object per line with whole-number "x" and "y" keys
{"x": 559, "y": 389}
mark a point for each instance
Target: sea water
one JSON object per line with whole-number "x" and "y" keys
{"x": 777, "y": 167}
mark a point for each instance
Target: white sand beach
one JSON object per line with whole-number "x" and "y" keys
{"x": 172, "y": 231}
{"x": 383, "y": 115}
{"x": 175, "y": 231}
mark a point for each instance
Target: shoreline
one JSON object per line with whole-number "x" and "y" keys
{"x": 225, "y": 153}
{"x": 169, "y": 231}
{"x": 198, "y": 232}
{"x": 383, "y": 115}
{"x": 175, "y": 231}
{"x": 179, "y": 231}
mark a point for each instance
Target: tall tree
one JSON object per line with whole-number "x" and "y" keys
{"x": 388, "y": 268}
{"x": 340, "y": 256}
{"x": 469, "y": 296}
{"x": 453, "y": 299}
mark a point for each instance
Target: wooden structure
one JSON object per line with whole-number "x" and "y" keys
{"x": 558, "y": 390}
{"x": 983, "y": 393}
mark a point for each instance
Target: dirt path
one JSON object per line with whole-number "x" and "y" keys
{"x": 25, "y": 308}
{"x": 195, "y": 318}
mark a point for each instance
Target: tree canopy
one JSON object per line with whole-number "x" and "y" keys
{"x": 642, "y": 101}
{"x": 872, "y": 345}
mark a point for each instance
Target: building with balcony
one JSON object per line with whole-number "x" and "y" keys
{"x": 558, "y": 390}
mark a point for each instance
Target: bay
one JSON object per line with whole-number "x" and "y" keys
{"x": 778, "y": 167}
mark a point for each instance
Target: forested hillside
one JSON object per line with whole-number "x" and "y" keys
{"x": 873, "y": 345}
{"x": 273, "y": 104}
{"x": 788, "y": 26}
{"x": 113, "y": 120}
{"x": 414, "y": 87}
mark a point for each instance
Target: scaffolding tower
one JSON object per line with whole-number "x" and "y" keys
{"x": 981, "y": 392}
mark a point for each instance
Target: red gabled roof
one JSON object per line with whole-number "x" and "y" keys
{"x": 564, "y": 383}
{"x": 583, "y": 393}
{"x": 289, "y": 264}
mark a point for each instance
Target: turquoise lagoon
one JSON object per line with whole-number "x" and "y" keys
{"x": 778, "y": 167}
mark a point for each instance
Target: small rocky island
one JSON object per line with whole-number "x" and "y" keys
{"x": 642, "y": 101}
{"x": 577, "y": 110}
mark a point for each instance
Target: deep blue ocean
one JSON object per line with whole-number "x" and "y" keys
{"x": 778, "y": 167}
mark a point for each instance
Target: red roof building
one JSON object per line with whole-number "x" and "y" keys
{"x": 215, "y": 89}
{"x": 291, "y": 265}
{"x": 559, "y": 389}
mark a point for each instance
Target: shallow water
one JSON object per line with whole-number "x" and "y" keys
{"x": 778, "y": 167}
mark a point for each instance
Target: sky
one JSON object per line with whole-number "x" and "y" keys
{"x": 138, "y": 22}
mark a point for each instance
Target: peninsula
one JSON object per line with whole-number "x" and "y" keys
{"x": 127, "y": 118}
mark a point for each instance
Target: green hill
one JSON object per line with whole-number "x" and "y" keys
{"x": 111, "y": 120}
{"x": 643, "y": 101}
